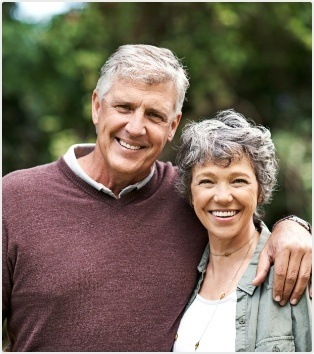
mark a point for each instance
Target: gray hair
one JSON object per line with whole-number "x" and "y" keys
{"x": 146, "y": 63}
{"x": 222, "y": 140}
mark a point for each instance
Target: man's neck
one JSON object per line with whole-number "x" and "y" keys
{"x": 114, "y": 181}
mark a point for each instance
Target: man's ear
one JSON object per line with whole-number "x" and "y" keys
{"x": 95, "y": 107}
{"x": 174, "y": 125}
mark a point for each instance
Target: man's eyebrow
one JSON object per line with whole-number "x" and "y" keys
{"x": 155, "y": 110}
{"x": 118, "y": 100}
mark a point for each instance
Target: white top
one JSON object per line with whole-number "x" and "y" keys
{"x": 221, "y": 331}
{"x": 71, "y": 160}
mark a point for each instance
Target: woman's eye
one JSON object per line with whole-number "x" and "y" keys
{"x": 205, "y": 181}
{"x": 240, "y": 181}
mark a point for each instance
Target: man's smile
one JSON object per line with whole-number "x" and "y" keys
{"x": 128, "y": 146}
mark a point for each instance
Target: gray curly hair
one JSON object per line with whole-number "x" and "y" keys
{"x": 222, "y": 140}
{"x": 146, "y": 63}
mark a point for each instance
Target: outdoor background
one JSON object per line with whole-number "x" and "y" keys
{"x": 253, "y": 57}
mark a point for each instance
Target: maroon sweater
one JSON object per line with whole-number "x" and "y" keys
{"x": 83, "y": 271}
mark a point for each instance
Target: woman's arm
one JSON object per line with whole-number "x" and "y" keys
{"x": 302, "y": 324}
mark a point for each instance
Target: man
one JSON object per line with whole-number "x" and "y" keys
{"x": 100, "y": 252}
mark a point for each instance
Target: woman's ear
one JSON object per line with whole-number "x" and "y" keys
{"x": 191, "y": 200}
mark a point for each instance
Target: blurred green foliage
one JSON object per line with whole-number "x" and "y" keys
{"x": 254, "y": 57}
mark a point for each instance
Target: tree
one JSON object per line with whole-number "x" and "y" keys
{"x": 253, "y": 57}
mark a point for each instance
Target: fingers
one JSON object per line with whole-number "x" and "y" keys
{"x": 291, "y": 249}
{"x": 262, "y": 268}
{"x": 304, "y": 277}
{"x": 282, "y": 282}
{"x": 292, "y": 274}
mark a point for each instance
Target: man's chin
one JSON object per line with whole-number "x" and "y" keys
{"x": 132, "y": 172}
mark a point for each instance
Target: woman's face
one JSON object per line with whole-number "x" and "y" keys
{"x": 225, "y": 198}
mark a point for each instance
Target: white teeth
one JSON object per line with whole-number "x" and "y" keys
{"x": 224, "y": 214}
{"x": 128, "y": 146}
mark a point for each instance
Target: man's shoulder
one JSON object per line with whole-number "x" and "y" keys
{"x": 28, "y": 176}
{"x": 167, "y": 168}
{"x": 167, "y": 176}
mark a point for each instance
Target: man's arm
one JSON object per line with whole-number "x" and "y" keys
{"x": 290, "y": 249}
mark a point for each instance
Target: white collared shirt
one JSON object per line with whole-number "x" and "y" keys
{"x": 71, "y": 160}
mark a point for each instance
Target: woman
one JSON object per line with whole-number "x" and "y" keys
{"x": 228, "y": 170}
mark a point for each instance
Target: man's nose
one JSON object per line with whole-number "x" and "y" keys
{"x": 136, "y": 125}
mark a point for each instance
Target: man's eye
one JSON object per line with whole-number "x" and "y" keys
{"x": 123, "y": 108}
{"x": 155, "y": 116}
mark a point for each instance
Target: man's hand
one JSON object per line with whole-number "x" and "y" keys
{"x": 290, "y": 249}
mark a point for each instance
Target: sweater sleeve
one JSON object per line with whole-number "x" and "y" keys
{"x": 6, "y": 279}
{"x": 302, "y": 323}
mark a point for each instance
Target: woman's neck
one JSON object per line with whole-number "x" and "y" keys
{"x": 227, "y": 245}
{"x": 225, "y": 271}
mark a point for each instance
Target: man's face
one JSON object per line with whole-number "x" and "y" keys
{"x": 134, "y": 122}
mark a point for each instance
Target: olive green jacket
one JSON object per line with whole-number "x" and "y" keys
{"x": 262, "y": 325}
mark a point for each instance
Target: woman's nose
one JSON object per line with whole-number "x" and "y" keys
{"x": 222, "y": 195}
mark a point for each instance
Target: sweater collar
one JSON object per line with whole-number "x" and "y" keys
{"x": 79, "y": 150}
{"x": 162, "y": 172}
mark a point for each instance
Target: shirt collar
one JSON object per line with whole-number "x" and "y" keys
{"x": 245, "y": 282}
{"x": 71, "y": 160}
